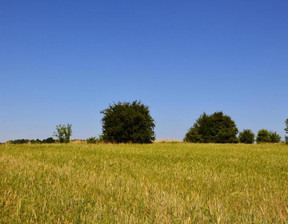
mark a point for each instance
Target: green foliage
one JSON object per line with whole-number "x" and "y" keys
{"x": 94, "y": 140}
{"x": 246, "y": 136}
{"x": 37, "y": 141}
{"x": 215, "y": 128}
{"x": 91, "y": 140}
{"x": 48, "y": 140}
{"x": 263, "y": 136}
{"x": 19, "y": 141}
{"x": 32, "y": 141}
{"x": 274, "y": 137}
{"x": 63, "y": 133}
{"x": 128, "y": 122}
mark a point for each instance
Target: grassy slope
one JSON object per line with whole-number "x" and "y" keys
{"x": 160, "y": 183}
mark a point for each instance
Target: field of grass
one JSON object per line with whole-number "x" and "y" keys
{"x": 157, "y": 183}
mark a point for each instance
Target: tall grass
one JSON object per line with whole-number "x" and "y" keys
{"x": 157, "y": 183}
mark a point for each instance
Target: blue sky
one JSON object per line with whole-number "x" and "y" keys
{"x": 65, "y": 61}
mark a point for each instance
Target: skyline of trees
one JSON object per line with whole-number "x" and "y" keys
{"x": 126, "y": 122}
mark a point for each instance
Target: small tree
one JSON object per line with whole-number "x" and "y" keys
{"x": 274, "y": 137}
{"x": 48, "y": 140}
{"x": 246, "y": 136}
{"x": 37, "y": 141}
{"x": 263, "y": 136}
{"x": 63, "y": 133}
{"x": 214, "y": 128}
{"x": 91, "y": 140}
{"x": 128, "y": 122}
{"x": 286, "y": 130}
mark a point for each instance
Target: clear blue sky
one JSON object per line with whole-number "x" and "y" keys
{"x": 65, "y": 61}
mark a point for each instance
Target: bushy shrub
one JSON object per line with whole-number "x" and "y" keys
{"x": 274, "y": 137}
{"x": 246, "y": 136}
{"x": 263, "y": 136}
{"x": 91, "y": 140}
{"x": 94, "y": 140}
{"x": 19, "y": 141}
{"x": 49, "y": 140}
{"x": 215, "y": 128}
{"x": 37, "y": 141}
{"x": 32, "y": 141}
{"x": 128, "y": 122}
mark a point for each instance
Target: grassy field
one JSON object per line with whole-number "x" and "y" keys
{"x": 157, "y": 183}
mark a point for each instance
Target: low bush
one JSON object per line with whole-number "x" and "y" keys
{"x": 19, "y": 141}
{"x": 91, "y": 140}
{"x": 32, "y": 141}
{"x": 274, "y": 137}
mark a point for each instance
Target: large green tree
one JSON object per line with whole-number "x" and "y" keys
{"x": 128, "y": 123}
{"x": 214, "y": 128}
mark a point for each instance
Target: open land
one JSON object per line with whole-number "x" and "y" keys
{"x": 155, "y": 183}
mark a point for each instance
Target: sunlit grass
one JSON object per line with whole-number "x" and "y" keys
{"x": 157, "y": 183}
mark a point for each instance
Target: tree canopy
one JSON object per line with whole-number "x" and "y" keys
{"x": 274, "y": 137}
{"x": 246, "y": 136}
{"x": 214, "y": 128}
{"x": 128, "y": 122}
{"x": 63, "y": 133}
{"x": 264, "y": 136}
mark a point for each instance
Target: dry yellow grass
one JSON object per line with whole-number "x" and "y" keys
{"x": 157, "y": 183}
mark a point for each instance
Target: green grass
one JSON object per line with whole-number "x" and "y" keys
{"x": 158, "y": 183}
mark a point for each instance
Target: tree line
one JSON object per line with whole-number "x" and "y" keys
{"x": 126, "y": 122}
{"x": 33, "y": 141}
{"x": 220, "y": 128}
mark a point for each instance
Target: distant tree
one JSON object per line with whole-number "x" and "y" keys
{"x": 286, "y": 130}
{"x": 263, "y": 136}
{"x": 19, "y": 141}
{"x": 215, "y": 128}
{"x": 128, "y": 122}
{"x": 91, "y": 140}
{"x": 48, "y": 140}
{"x": 37, "y": 141}
{"x": 274, "y": 137}
{"x": 63, "y": 133}
{"x": 246, "y": 136}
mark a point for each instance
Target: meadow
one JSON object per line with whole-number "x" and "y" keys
{"x": 154, "y": 183}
